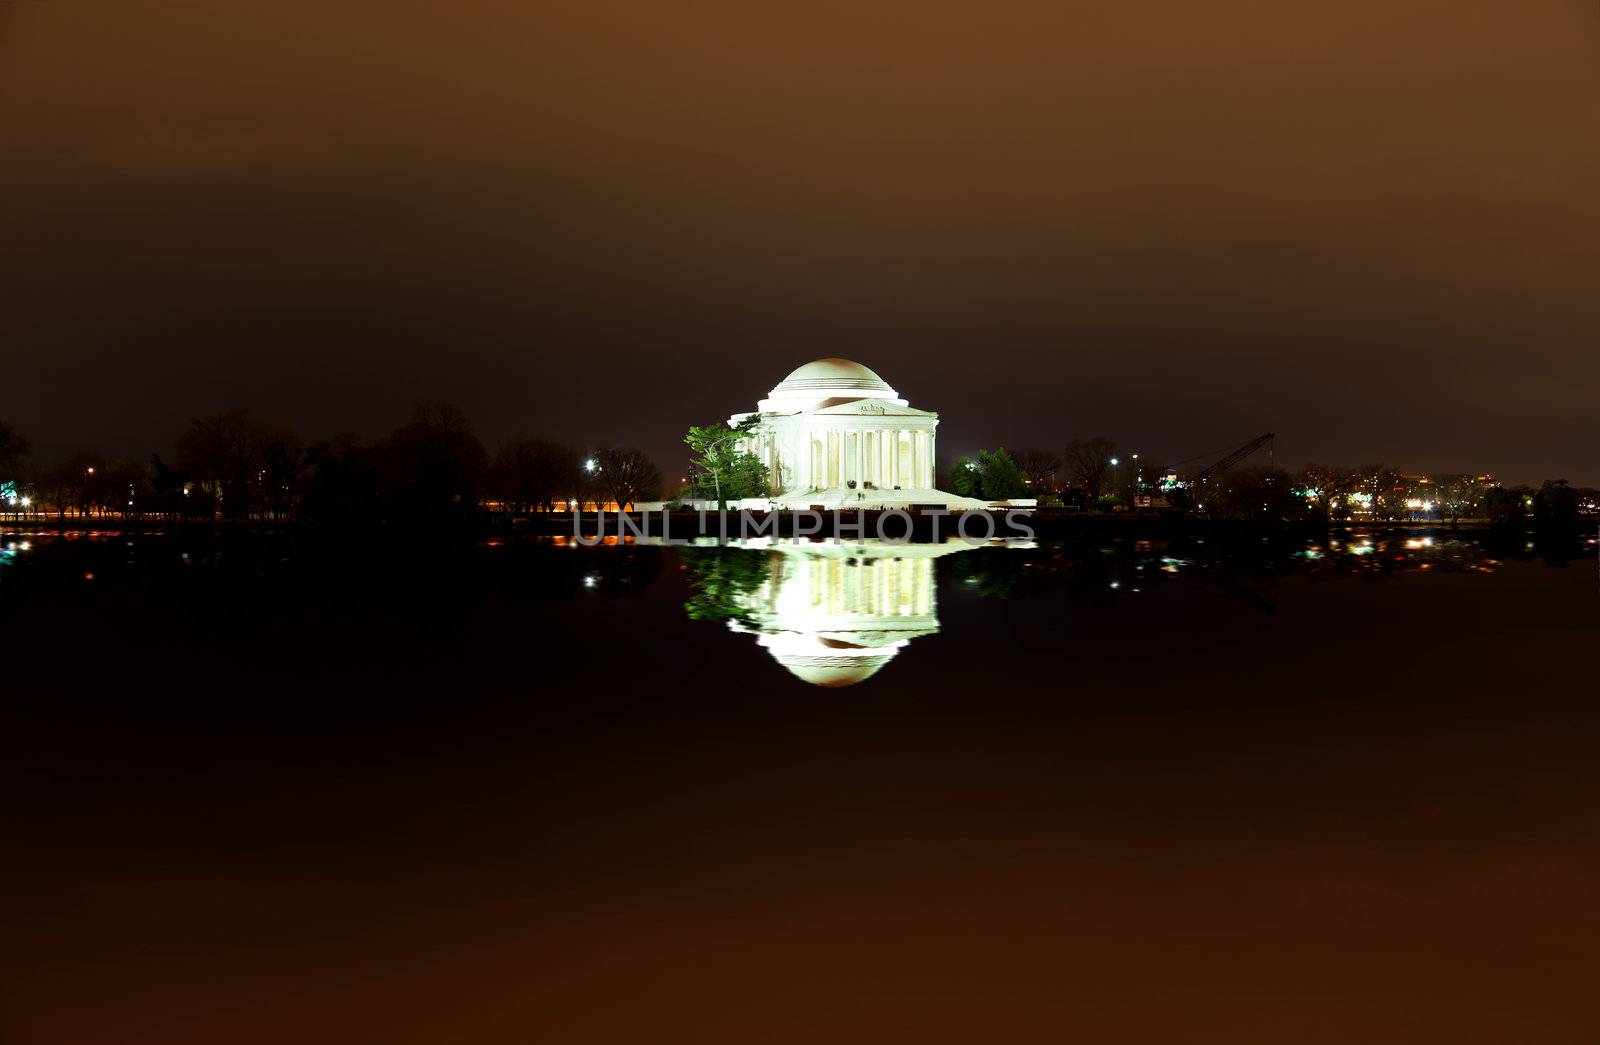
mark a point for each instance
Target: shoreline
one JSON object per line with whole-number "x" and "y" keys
{"x": 849, "y": 524}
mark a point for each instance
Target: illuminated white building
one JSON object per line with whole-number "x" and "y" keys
{"x": 833, "y": 433}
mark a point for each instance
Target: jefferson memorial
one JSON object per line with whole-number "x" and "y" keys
{"x": 834, "y": 434}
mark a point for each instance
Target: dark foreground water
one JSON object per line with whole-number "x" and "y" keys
{"x": 272, "y": 789}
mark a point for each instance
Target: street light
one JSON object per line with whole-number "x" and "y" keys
{"x": 589, "y": 465}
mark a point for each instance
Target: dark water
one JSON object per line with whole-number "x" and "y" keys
{"x": 270, "y": 789}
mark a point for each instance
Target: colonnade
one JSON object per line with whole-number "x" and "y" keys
{"x": 828, "y": 458}
{"x": 885, "y": 458}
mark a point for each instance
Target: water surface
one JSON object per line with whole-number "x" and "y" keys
{"x": 268, "y": 788}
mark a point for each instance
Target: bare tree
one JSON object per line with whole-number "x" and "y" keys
{"x": 1039, "y": 468}
{"x": 76, "y": 484}
{"x": 243, "y": 462}
{"x": 1454, "y": 496}
{"x": 1385, "y": 490}
{"x": 532, "y": 474}
{"x": 627, "y": 474}
{"x": 431, "y": 468}
{"x": 1328, "y": 487}
{"x": 1089, "y": 462}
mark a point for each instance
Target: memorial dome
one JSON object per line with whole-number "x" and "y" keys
{"x": 832, "y": 375}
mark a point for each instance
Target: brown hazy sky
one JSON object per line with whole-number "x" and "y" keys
{"x": 1373, "y": 227}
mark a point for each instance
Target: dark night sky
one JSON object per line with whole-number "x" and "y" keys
{"x": 1370, "y": 226}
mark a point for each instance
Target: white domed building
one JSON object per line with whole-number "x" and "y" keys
{"x": 835, "y": 434}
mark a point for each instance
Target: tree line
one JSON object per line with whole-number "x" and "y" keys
{"x": 237, "y": 465}
{"x": 234, "y": 464}
{"x": 1095, "y": 474}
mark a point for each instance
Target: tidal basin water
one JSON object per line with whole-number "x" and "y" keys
{"x": 268, "y": 788}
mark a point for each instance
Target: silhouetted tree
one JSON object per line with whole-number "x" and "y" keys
{"x": 593, "y": 492}
{"x": 173, "y": 493}
{"x": 1039, "y": 468}
{"x": 1255, "y": 494}
{"x": 531, "y": 474}
{"x": 58, "y": 486}
{"x": 1507, "y": 508}
{"x": 628, "y": 475}
{"x": 1327, "y": 489}
{"x": 1555, "y": 505}
{"x": 338, "y": 482}
{"x": 1454, "y": 496}
{"x": 1089, "y": 462}
{"x": 78, "y": 484}
{"x": 125, "y": 488}
{"x": 432, "y": 468}
{"x": 245, "y": 463}
{"x": 1386, "y": 495}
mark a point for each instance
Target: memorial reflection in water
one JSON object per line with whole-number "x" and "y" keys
{"x": 833, "y": 614}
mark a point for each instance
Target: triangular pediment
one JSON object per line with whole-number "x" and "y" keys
{"x": 868, "y": 408}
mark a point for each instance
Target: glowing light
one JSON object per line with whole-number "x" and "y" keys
{"x": 589, "y": 465}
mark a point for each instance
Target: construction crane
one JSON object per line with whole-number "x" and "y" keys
{"x": 1211, "y": 471}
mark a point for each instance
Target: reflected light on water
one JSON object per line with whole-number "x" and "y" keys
{"x": 835, "y": 614}
{"x": 832, "y": 613}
